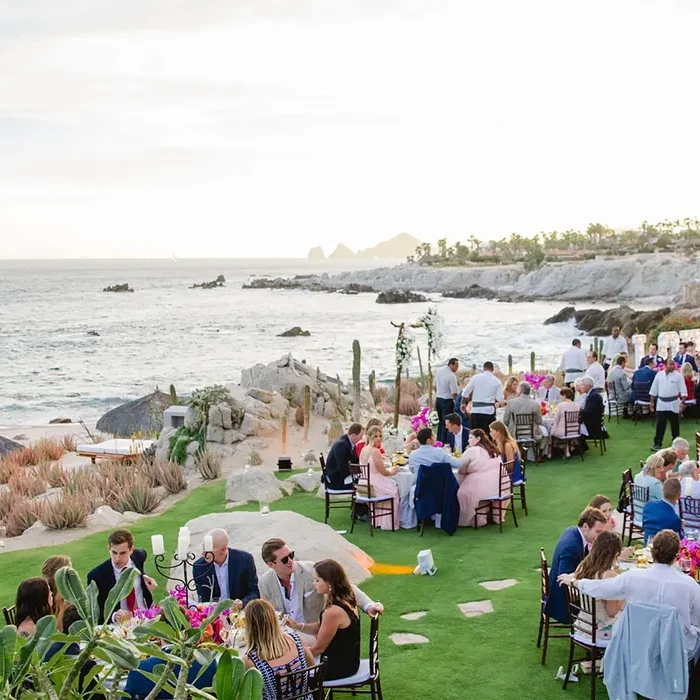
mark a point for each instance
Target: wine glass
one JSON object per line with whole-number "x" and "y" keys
{"x": 685, "y": 565}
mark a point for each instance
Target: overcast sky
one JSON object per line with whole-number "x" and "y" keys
{"x": 138, "y": 128}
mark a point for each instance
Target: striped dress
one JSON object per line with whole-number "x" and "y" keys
{"x": 269, "y": 672}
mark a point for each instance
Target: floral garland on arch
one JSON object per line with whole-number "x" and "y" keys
{"x": 405, "y": 344}
{"x": 431, "y": 321}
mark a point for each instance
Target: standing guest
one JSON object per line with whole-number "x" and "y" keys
{"x": 231, "y": 574}
{"x": 507, "y": 447}
{"x": 338, "y": 631}
{"x": 457, "y": 436}
{"x": 684, "y": 356}
{"x": 446, "y": 390}
{"x": 288, "y": 585}
{"x": 481, "y": 467}
{"x": 570, "y": 551}
{"x": 48, "y": 571}
{"x": 341, "y": 455}
{"x": 548, "y": 392}
{"x": 510, "y": 389}
{"x": 573, "y": 362}
{"x": 614, "y": 345}
{"x": 653, "y": 356}
{"x": 34, "y": 601}
{"x": 690, "y": 479}
{"x": 122, "y": 556}
{"x": 427, "y": 454}
{"x": 652, "y": 476}
{"x": 525, "y": 406}
{"x": 604, "y": 505}
{"x": 642, "y": 379}
{"x": 592, "y": 413}
{"x": 567, "y": 407}
{"x": 619, "y": 383}
{"x": 664, "y": 395}
{"x": 663, "y": 514}
{"x": 485, "y": 391}
{"x": 271, "y": 650}
{"x": 380, "y": 478}
{"x": 595, "y": 371}
{"x": 361, "y": 445}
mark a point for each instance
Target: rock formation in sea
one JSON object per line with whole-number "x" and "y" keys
{"x": 218, "y": 282}
{"x": 316, "y": 254}
{"x": 342, "y": 252}
{"x": 396, "y": 248}
{"x": 399, "y": 296}
{"x": 600, "y": 322}
{"x": 118, "y": 288}
{"x": 295, "y": 332}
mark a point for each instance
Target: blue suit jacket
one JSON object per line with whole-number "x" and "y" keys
{"x": 644, "y": 375}
{"x": 592, "y": 416}
{"x": 436, "y": 492}
{"x": 568, "y": 554}
{"x": 657, "y": 516}
{"x": 341, "y": 454}
{"x": 465, "y": 439}
{"x": 242, "y": 578}
{"x": 681, "y": 359}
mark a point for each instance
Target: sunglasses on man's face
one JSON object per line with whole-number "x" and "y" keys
{"x": 285, "y": 559}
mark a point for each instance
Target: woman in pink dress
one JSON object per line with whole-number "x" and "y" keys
{"x": 481, "y": 464}
{"x": 380, "y": 477}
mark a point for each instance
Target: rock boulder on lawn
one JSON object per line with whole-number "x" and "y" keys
{"x": 253, "y": 485}
{"x": 7, "y": 446}
{"x": 307, "y": 482}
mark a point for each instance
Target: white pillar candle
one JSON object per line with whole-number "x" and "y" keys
{"x": 182, "y": 547}
{"x": 157, "y": 545}
{"x": 208, "y": 543}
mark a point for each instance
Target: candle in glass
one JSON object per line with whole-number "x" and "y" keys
{"x": 157, "y": 545}
{"x": 208, "y": 543}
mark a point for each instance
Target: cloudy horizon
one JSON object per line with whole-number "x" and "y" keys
{"x": 155, "y": 128}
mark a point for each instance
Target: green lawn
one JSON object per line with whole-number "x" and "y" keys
{"x": 489, "y": 657}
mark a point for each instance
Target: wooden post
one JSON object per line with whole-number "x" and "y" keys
{"x": 420, "y": 367}
{"x": 397, "y": 385}
{"x": 284, "y": 435}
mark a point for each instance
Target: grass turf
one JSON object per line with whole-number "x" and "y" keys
{"x": 489, "y": 657}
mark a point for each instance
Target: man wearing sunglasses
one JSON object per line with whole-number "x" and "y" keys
{"x": 288, "y": 585}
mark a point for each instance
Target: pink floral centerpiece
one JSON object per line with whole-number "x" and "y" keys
{"x": 535, "y": 380}
{"x": 691, "y": 550}
{"x": 425, "y": 419}
{"x": 544, "y": 408}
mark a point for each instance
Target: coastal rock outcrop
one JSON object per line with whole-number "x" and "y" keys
{"x": 295, "y": 332}
{"x": 566, "y": 314}
{"x": 7, "y": 446}
{"x": 118, "y": 288}
{"x": 143, "y": 415}
{"x": 473, "y": 291}
{"x": 316, "y": 254}
{"x": 398, "y": 296}
{"x": 342, "y": 252}
{"x": 218, "y": 282}
{"x": 599, "y": 322}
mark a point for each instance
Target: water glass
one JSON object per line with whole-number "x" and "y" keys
{"x": 264, "y": 508}
{"x": 685, "y": 565}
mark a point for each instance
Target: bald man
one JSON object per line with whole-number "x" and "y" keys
{"x": 231, "y": 574}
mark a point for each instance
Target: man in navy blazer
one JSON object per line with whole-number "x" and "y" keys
{"x": 341, "y": 455}
{"x": 592, "y": 413}
{"x": 456, "y": 434}
{"x": 683, "y": 356}
{"x": 570, "y": 551}
{"x": 642, "y": 379}
{"x": 663, "y": 515}
{"x": 232, "y": 574}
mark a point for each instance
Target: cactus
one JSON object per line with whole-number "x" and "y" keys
{"x": 591, "y": 347}
{"x": 373, "y": 384}
{"x": 299, "y": 416}
{"x": 341, "y": 408}
{"x": 284, "y": 435}
{"x": 420, "y": 367}
{"x": 173, "y": 395}
{"x": 335, "y": 430}
{"x": 474, "y": 367}
{"x": 532, "y": 361}
{"x": 510, "y": 365}
{"x": 254, "y": 458}
{"x": 356, "y": 360}
{"x": 307, "y": 413}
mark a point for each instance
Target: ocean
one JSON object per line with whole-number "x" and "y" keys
{"x": 166, "y": 333}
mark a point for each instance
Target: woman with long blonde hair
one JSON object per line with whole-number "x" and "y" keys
{"x": 380, "y": 478}
{"x": 510, "y": 388}
{"x": 48, "y": 571}
{"x": 270, "y": 649}
{"x": 507, "y": 447}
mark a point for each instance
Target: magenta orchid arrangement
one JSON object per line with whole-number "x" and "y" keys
{"x": 425, "y": 419}
{"x": 535, "y": 380}
{"x": 691, "y": 550}
{"x": 661, "y": 366}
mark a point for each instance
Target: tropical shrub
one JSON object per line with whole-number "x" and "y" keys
{"x": 49, "y": 449}
{"x": 69, "y": 443}
{"x": 27, "y": 483}
{"x": 138, "y": 497}
{"x": 20, "y": 518}
{"x": 180, "y": 439}
{"x": 171, "y": 477}
{"x": 209, "y": 465}
{"x": 67, "y": 511}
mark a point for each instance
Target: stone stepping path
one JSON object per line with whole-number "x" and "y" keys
{"x": 401, "y": 638}
{"x": 414, "y": 615}
{"x": 476, "y": 608}
{"x": 499, "y": 585}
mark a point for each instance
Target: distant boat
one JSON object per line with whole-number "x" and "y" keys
{"x": 174, "y": 258}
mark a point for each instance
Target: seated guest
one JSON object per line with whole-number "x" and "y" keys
{"x": 341, "y": 455}
{"x": 642, "y": 379}
{"x": 122, "y": 556}
{"x": 338, "y": 631}
{"x": 570, "y": 551}
{"x": 689, "y": 378}
{"x": 659, "y": 584}
{"x": 34, "y": 601}
{"x": 427, "y": 454}
{"x": 524, "y": 405}
{"x": 684, "y": 356}
{"x": 663, "y": 514}
{"x": 690, "y": 479}
{"x": 681, "y": 447}
{"x": 230, "y": 575}
{"x": 481, "y": 467}
{"x": 580, "y": 392}
{"x": 670, "y": 460}
{"x": 507, "y": 447}
{"x": 548, "y": 392}
{"x": 288, "y": 585}
{"x": 48, "y": 571}
{"x": 600, "y": 564}
{"x": 380, "y": 479}
{"x": 619, "y": 386}
{"x": 592, "y": 413}
{"x": 595, "y": 371}
{"x": 567, "y": 408}
{"x": 271, "y": 650}
{"x": 652, "y": 476}
{"x": 603, "y": 504}
{"x": 653, "y": 358}
{"x": 361, "y": 445}
{"x": 510, "y": 389}
{"x": 457, "y": 436}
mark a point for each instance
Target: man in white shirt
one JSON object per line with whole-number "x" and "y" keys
{"x": 664, "y": 395}
{"x": 427, "y": 454}
{"x": 614, "y": 345}
{"x": 660, "y": 584}
{"x": 596, "y": 372}
{"x": 573, "y": 362}
{"x": 548, "y": 392}
{"x": 446, "y": 390}
{"x": 486, "y": 391}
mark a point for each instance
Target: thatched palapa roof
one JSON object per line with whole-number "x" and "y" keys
{"x": 144, "y": 414}
{"x": 7, "y": 446}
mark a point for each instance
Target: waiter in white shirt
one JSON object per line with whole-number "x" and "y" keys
{"x": 446, "y": 390}
{"x": 595, "y": 371}
{"x": 614, "y": 345}
{"x": 664, "y": 395}
{"x": 573, "y": 362}
{"x": 486, "y": 391}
